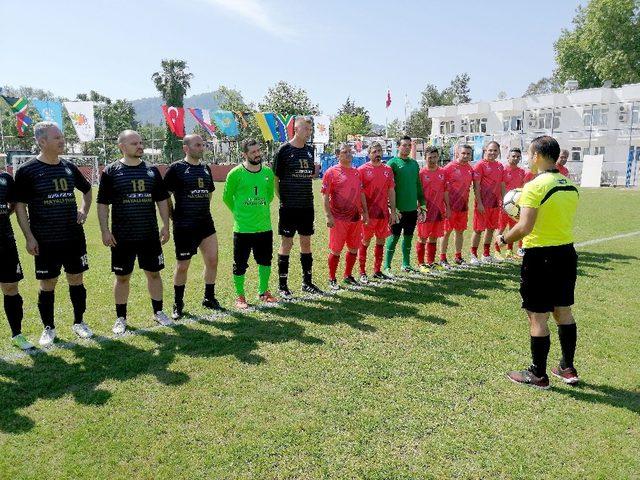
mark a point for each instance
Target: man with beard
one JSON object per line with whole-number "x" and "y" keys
{"x": 248, "y": 192}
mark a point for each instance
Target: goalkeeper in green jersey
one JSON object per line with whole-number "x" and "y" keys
{"x": 248, "y": 193}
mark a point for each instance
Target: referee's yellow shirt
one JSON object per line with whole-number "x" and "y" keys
{"x": 556, "y": 199}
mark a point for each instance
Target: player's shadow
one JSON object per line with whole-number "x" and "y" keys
{"x": 601, "y": 261}
{"x": 51, "y": 377}
{"x": 604, "y": 394}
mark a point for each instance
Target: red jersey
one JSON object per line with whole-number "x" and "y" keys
{"x": 529, "y": 175}
{"x": 434, "y": 184}
{"x": 459, "y": 177}
{"x": 513, "y": 177}
{"x": 376, "y": 182}
{"x": 489, "y": 174}
{"x": 344, "y": 187}
{"x": 563, "y": 170}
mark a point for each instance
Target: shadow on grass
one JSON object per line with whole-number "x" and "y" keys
{"x": 599, "y": 261}
{"x": 604, "y": 394}
{"x": 51, "y": 377}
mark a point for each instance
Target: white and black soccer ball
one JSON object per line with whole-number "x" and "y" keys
{"x": 510, "y": 203}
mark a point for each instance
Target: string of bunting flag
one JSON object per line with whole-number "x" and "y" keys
{"x": 274, "y": 127}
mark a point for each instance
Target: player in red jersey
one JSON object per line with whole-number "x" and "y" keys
{"x": 489, "y": 191}
{"x": 459, "y": 176}
{"x": 346, "y": 208}
{"x": 513, "y": 177}
{"x": 379, "y": 190}
{"x": 436, "y": 198}
{"x": 562, "y": 160}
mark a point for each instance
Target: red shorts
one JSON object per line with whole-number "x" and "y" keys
{"x": 456, "y": 221}
{"x": 431, "y": 229}
{"x": 506, "y": 220}
{"x": 378, "y": 227}
{"x": 344, "y": 232}
{"x": 487, "y": 220}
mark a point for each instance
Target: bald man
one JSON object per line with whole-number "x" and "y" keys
{"x": 134, "y": 189}
{"x": 191, "y": 184}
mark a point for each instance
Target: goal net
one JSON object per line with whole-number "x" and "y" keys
{"x": 87, "y": 164}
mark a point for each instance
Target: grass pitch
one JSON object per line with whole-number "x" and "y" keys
{"x": 405, "y": 380}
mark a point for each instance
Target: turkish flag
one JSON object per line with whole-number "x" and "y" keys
{"x": 388, "y": 102}
{"x": 175, "y": 119}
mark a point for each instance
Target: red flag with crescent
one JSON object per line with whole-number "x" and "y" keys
{"x": 175, "y": 119}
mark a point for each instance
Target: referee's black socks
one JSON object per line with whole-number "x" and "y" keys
{"x": 568, "y": 335}
{"x": 178, "y": 294}
{"x": 13, "y": 309}
{"x": 209, "y": 291}
{"x": 78, "y": 295}
{"x": 539, "y": 352}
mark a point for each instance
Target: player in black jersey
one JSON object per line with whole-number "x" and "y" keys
{"x": 133, "y": 189}
{"x": 10, "y": 268}
{"x": 294, "y": 169}
{"x": 53, "y": 226}
{"x": 191, "y": 184}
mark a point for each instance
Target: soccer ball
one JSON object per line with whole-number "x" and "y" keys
{"x": 510, "y": 203}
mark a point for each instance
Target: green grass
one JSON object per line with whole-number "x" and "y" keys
{"x": 402, "y": 381}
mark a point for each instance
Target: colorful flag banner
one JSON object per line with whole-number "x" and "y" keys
{"x": 19, "y": 107}
{"x": 174, "y": 117}
{"x": 226, "y": 122}
{"x": 289, "y": 122}
{"x": 321, "y": 129}
{"x": 263, "y": 124}
{"x": 204, "y": 119}
{"x": 243, "y": 118}
{"x": 83, "y": 120}
{"x": 50, "y": 111}
{"x": 279, "y": 129}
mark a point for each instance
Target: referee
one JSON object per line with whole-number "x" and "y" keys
{"x": 549, "y": 267}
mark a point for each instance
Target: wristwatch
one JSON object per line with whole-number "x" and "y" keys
{"x": 501, "y": 239}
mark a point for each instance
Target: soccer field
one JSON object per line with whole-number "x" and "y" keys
{"x": 403, "y": 380}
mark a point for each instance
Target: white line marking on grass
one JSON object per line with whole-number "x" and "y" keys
{"x": 186, "y": 321}
{"x": 606, "y": 239}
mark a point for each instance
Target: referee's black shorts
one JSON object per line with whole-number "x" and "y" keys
{"x": 548, "y": 277}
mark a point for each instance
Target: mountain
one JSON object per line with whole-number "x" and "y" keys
{"x": 149, "y": 110}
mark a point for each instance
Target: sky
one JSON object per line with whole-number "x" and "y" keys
{"x": 333, "y": 49}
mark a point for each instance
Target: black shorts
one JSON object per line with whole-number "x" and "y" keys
{"x": 53, "y": 256}
{"x": 292, "y": 220}
{"x": 10, "y": 268}
{"x": 187, "y": 240}
{"x": 149, "y": 253}
{"x": 548, "y": 278}
{"x": 406, "y": 225}
{"x": 243, "y": 243}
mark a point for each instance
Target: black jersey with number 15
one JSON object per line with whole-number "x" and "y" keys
{"x": 48, "y": 192}
{"x": 295, "y": 170}
{"x": 132, "y": 192}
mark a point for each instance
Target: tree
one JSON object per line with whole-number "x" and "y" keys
{"x": 543, "y": 86}
{"x": 394, "y": 129}
{"x": 418, "y": 124}
{"x": 287, "y": 99}
{"x": 603, "y": 45}
{"x": 172, "y": 83}
{"x": 346, "y": 124}
{"x": 350, "y": 108}
{"x": 458, "y": 91}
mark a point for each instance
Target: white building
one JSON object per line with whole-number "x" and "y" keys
{"x": 591, "y": 121}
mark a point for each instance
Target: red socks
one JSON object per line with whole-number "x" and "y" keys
{"x": 474, "y": 251}
{"x": 333, "y": 265}
{"x": 420, "y": 252}
{"x": 443, "y": 257}
{"x": 431, "y": 253}
{"x": 379, "y": 252}
{"x": 510, "y": 246}
{"x": 497, "y": 247}
{"x": 349, "y": 262}
{"x": 487, "y": 249}
{"x": 362, "y": 257}
{"x": 458, "y": 256}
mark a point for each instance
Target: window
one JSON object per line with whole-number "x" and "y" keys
{"x": 512, "y": 123}
{"x": 464, "y": 125}
{"x": 447, "y": 127}
{"x": 478, "y": 125}
{"x": 635, "y": 114}
{"x": 544, "y": 120}
{"x": 596, "y": 116}
{"x": 576, "y": 154}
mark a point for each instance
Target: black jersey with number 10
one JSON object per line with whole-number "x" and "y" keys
{"x": 48, "y": 192}
{"x": 191, "y": 186}
{"x": 132, "y": 192}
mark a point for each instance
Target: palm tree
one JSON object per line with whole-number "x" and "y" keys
{"x": 172, "y": 83}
